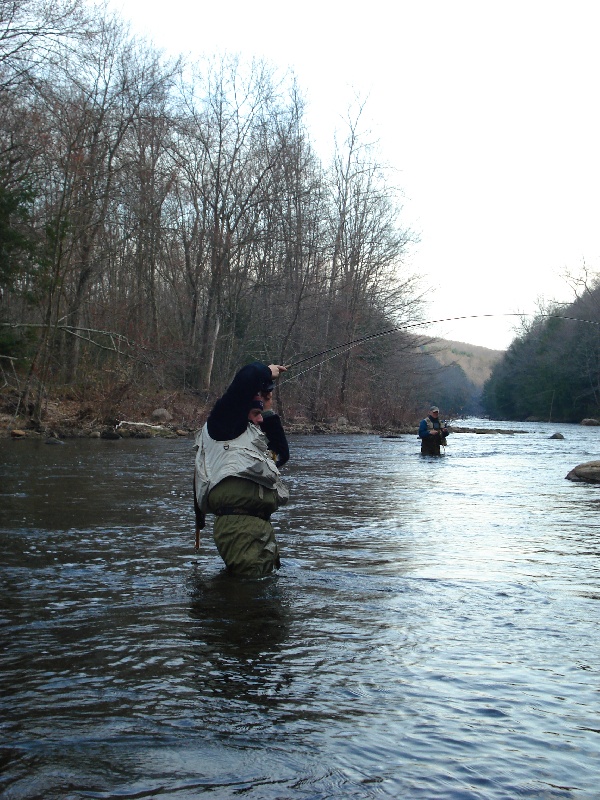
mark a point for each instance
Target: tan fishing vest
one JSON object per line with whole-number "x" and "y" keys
{"x": 431, "y": 427}
{"x": 245, "y": 457}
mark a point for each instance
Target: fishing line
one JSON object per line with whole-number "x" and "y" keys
{"x": 343, "y": 348}
{"x": 318, "y": 364}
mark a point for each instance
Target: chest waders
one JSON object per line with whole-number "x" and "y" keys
{"x": 430, "y": 445}
{"x": 239, "y": 483}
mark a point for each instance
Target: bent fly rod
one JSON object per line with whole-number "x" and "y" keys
{"x": 339, "y": 349}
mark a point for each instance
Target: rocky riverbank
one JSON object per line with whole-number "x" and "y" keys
{"x": 162, "y": 414}
{"x": 102, "y": 417}
{"x": 67, "y": 428}
{"x": 160, "y": 423}
{"x": 166, "y": 415}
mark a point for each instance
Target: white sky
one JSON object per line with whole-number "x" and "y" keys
{"x": 488, "y": 110}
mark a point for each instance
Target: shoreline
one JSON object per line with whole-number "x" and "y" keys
{"x": 63, "y": 429}
{"x": 19, "y": 428}
{"x": 166, "y": 415}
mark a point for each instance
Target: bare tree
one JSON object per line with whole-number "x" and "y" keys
{"x": 232, "y": 124}
{"x": 366, "y": 278}
{"x": 106, "y": 88}
{"x": 32, "y": 30}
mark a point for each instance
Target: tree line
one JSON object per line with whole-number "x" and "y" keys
{"x": 163, "y": 222}
{"x": 551, "y": 371}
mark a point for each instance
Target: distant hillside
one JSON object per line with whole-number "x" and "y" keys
{"x": 456, "y": 374}
{"x": 475, "y": 361}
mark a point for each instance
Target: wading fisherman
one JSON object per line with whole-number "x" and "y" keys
{"x": 236, "y": 475}
{"x": 432, "y": 434}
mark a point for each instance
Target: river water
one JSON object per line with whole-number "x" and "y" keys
{"x": 433, "y": 632}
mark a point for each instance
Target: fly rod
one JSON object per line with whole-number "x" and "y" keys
{"x": 343, "y": 348}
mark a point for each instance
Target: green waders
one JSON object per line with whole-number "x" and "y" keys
{"x": 430, "y": 446}
{"x": 242, "y": 531}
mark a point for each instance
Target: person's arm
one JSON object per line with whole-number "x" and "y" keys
{"x": 425, "y": 431}
{"x": 276, "y": 438}
{"x": 229, "y": 416}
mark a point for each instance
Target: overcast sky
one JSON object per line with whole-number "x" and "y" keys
{"x": 487, "y": 110}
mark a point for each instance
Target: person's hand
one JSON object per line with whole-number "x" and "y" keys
{"x": 276, "y": 369}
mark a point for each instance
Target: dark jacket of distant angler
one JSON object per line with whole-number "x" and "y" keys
{"x": 236, "y": 477}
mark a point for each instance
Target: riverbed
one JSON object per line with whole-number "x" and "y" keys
{"x": 433, "y": 631}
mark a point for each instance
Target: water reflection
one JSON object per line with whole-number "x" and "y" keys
{"x": 236, "y": 618}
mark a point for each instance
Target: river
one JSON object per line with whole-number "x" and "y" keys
{"x": 433, "y": 632}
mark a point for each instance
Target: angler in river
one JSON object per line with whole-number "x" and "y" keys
{"x": 432, "y": 433}
{"x": 236, "y": 477}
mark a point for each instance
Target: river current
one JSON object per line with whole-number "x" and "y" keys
{"x": 433, "y": 631}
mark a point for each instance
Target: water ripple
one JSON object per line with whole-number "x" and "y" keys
{"x": 433, "y": 632}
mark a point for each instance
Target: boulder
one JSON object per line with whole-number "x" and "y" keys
{"x": 161, "y": 415}
{"x": 556, "y": 436}
{"x": 587, "y": 473}
{"x": 590, "y": 421}
{"x": 109, "y": 433}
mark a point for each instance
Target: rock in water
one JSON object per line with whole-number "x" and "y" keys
{"x": 587, "y": 473}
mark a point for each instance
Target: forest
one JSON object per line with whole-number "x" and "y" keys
{"x": 551, "y": 371}
{"x": 164, "y": 222}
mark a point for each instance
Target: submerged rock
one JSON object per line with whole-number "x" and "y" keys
{"x": 556, "y": 436}
{"x": 587, "y": 473}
